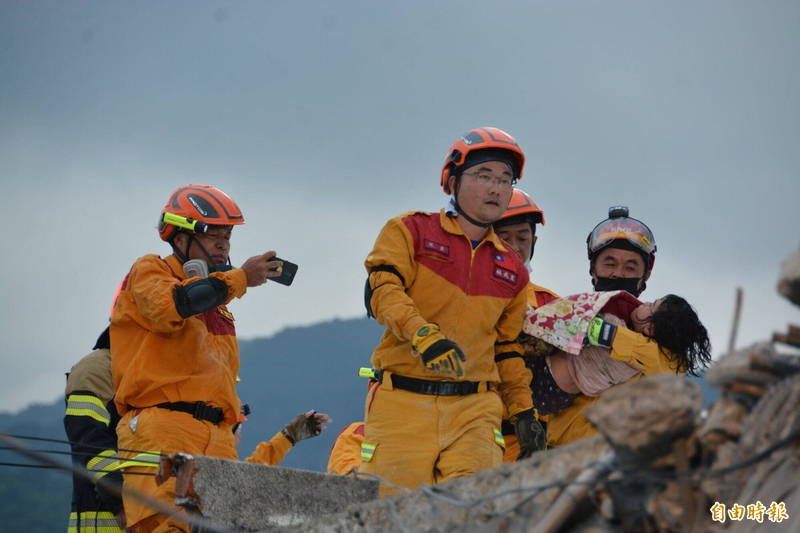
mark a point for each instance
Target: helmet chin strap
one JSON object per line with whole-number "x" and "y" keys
{"x": 463, "y": 213}
{"x": 184, "y": 256}
{"x": 469, "y": 218}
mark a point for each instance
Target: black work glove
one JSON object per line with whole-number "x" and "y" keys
{"x": 439, "y": 353}
{"x": 530, "y": 433}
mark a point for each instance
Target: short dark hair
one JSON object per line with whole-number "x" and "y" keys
{"x": 516, "y": 219}
{"x": 677, "y": 328}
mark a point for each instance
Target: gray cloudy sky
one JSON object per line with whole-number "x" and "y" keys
{"x": 324, "y": 119}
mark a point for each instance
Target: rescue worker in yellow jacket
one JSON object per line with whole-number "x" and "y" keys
{"x": 517, "y": 227}
{"x": 622, "y": 252}
{"x": 90, "y": 421}
{"x": 175, "y": 352}
{"x": 452, "y": 297}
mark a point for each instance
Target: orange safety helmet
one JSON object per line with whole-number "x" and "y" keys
{"x": 480, "y": 139}
{"x": 522, "y": 204}
{"x": 195, "y": 207}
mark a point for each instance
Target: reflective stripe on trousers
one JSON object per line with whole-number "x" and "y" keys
{"x": 93, "y": 522}
{"x": 498, "y": 438}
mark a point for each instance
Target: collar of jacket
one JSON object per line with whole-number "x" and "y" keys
{"x": 450, "y": 225}
{"x": 175, "y": 265}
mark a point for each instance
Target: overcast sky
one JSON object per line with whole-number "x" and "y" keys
{"x": 324, "y": 119}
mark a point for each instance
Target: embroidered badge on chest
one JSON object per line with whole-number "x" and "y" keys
{"x": 433, "y": 246}
{"x": 505, "y": 274}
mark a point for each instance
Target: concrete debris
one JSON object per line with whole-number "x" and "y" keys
{"x": 639, "y": 424}
{"x": 659, "y": 463}
{"x": 250, "y": 497}
{"x": 724, "y": 423}
{"x": 749, "y": 370}
{"x": 503, "y": 499}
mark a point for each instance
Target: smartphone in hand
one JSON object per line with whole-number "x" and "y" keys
{"x": 288, "y": 271}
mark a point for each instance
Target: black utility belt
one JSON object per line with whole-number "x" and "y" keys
{"x": 438, "y": 388}
{"x": 199, "y": 410}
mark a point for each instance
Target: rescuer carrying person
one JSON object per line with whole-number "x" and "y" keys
{"x": 175, "y": 355}
{"x": 452, "y": 296}
{"x": 622, "y": 252}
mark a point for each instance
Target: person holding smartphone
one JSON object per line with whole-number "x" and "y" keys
{"x": 176, "y": 358}
{"x": 452, "y": 296}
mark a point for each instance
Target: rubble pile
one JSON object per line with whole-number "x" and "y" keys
{"x": 660, "y": 462}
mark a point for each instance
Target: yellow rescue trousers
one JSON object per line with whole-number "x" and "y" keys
{"x": 160, "y": 431}
{"x": 412, "y": 439}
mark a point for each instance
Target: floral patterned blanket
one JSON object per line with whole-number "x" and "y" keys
{"x": 564, "y": 322}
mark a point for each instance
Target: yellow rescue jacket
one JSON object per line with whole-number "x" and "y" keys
{"x": 539, "y": 296}
{"x": 346, "y": 450}
{"x": 628, "y": 346}
{"x": 160, "y": 356}
{"x": 423, "y": 269}
{"x": 271, "y": 452}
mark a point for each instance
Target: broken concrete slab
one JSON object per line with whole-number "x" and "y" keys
{"x": 759, "y": 365}
{"x": 250, "y": 497}
{"x": 503, "y": 499}
{"x": 588, "y": 485}
{"x": 641, "y": 419}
